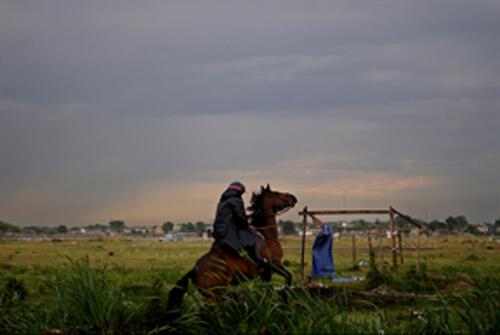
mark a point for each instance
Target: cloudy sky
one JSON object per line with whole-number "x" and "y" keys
{"x": 145, "y": 110}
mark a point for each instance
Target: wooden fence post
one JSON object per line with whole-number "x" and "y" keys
{"x": 381, "y": 246}
{"x": 400, "y": 245}
{"x": 393, "y": 240}
{"x": 304, "y": 228}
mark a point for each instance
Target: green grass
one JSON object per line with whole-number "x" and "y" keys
{"x": 77, "y": 285}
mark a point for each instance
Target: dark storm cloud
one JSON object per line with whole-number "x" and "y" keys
{"x": 99, "y": 97}
{"x": 129, "y": 58}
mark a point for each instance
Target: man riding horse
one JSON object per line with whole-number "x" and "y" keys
{"x": 223, "y": 265}
{"x": 232, "y": 230}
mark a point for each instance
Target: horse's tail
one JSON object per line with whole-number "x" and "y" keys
{"x": 176, "y": 294}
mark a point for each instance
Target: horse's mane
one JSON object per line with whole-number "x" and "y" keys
{"x": 257, "y": 200}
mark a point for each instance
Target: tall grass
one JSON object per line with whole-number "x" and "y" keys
{"x": 88, "y": 299}
{"x": 475, "y": 311}
{"x": 256, "y": 308}
{"x": 479, "y": 308}
{"x": 79, "y": 298}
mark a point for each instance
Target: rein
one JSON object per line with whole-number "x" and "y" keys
{"x": 266, "y": 227}
{"x": 270, "y": 238}
{"x": 272, "y": 215}
{"x": 284, "y": 210}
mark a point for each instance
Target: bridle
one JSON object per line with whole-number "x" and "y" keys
{"x": 284, "y": 210}
{"x": 271, "y": 215}
{"x": 259, "y": 213}
{"x": 290, "y": 204}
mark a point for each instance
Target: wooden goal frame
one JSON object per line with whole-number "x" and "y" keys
{"x": 391, "y": 211}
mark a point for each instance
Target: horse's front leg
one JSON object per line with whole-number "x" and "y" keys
{"x": 280, "y": 269}
{"x": 274, "y": 253}
{"x": 266, "y": 274}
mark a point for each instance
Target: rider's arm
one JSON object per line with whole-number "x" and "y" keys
{"x": 239, "y": 216}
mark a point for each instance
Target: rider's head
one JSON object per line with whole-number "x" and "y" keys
{"x": 236, "y": 185}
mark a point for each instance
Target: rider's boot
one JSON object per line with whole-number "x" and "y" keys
{"x": 254, "y": 253}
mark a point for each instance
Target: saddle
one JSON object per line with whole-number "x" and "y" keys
{"x": 250, "y": 253}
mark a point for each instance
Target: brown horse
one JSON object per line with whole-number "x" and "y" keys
{"x": 219, "y": 268}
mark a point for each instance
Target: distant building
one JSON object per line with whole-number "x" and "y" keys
{"x": 347, "y": 225}
{"x": 171, "y": 237}
{"x": 140, "y": 230}
{"x": 482, "y": 228}
{"x": 205, "y": 235}
{"x": 308, "y": 233}
{"x": 157, "y": 230}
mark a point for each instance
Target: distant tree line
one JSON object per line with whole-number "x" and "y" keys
{"x": 6, "y": 227}
{"x": 114, "y": 225}
{"x": 453, "y": 224}
{"x": 199, "y": 227}
{"x": 43, "y": 230}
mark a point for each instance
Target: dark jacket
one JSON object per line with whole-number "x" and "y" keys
{"x": 231, "y": 223}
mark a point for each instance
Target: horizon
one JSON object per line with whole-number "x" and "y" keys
{"x": 370, "y": 218}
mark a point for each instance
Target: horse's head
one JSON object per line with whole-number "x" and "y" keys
{"x": 271, "y": 203}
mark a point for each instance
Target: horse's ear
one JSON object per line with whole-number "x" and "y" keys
{"x": 268, "y": 188}
{"x": 262, "y": 188}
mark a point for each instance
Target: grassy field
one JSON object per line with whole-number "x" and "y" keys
{"x": 117, "y": 282}
{"x": 147, "y": 255}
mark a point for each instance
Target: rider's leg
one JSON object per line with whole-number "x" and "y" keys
{"x": 254, "y": 251}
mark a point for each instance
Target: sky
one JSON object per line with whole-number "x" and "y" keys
{"x": 145, "y": 110}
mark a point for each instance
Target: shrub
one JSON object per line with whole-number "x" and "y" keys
{"x": 376, "y": 277}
